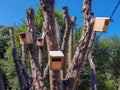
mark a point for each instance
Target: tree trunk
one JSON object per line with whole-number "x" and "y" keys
{"x": 1, "y": 81}
{"x": 24, "y": 69}
{"x": 35, "y": 65}
{"x": 41, "y": 58}
{"x": 32, "y": 47}
{"x": 83, "y": 47}
{"x": 52, "y": 45}
{"x": 58, "y": 34}
{"x": 69, "y": 29}
{"x": 93, "y": 72}
{"x": 70, "y": 42}
{"x": 16, "y": 60}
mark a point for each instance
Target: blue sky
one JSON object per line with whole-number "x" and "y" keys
{"x": 13, "y": 11}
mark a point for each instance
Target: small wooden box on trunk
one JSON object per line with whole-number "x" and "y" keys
{"x": 101, "y": 24}
{"x": 22, "y": 37}
{"x": 40, "y": 41}
{"x": 56, "y": 60}
{"x": 26, "y": 38}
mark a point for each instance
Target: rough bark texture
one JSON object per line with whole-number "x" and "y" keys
{"x": 24, "y": 70}
{"x": 32, "y": 47}
{"x": 58, "y": 34}
{"x": 119, "y": 87}
{"x": 1, "y": 81}
{"x": 52, "y": 45}
{"x": 35, "y": 63}
{"x": 70, "y": 42}
{"x": 16, "y": 60}
{"x": 83, "y": 47}
{"x": 67, "y": 30}
{"x": 93, "y": 72}
{"x": 69, "y": 26}
{"x": 41, "y": 58}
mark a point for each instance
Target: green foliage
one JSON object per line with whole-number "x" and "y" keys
{"x": 106, "y": 54}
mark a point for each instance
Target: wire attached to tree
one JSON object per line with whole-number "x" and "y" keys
{"x": 115, "y": 9}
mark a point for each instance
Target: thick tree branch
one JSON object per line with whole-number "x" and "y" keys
{"x": 83, "y": 47}
{"x": 52, "y": 45}
{"x": 70, "y": 42}
{"x": 69, "y": 28}
{"x": 35, "y": 63}
{"x": 93, "y": 71}
{"x": 16, "y": 60}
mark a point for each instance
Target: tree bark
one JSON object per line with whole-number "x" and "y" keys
{"x": 52, "y": 45}
{"x": 58, "y": 34}
{"x": 16, "y": 60}
{"x": 69, "y": 27}
{"x": 32, "y": 47}
{"x": 41, "y": 58}
{"x": 35, "y": 64}
{"x": 1, "y": 81}
{"x": 70, "y": 42}
{"x": 93, "y": 72}
{"x": 24, "y": 69}
{"x": 83, "y": 47}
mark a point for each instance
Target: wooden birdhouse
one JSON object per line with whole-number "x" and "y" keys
{"x": 101, "y": 24}
{"x": 26, "y": 38}
{"x": 56, "y": 60}
{"x": 29, "y": 37}
{"x": 40, "y": 41}
{"x": 22, "y": 37}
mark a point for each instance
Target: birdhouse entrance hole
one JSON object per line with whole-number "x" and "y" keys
{"x": 26, "y": 38}
{"x": 40, "y": 41}
{"x": 22, "y": 35}
{"x": 56, "y": 59}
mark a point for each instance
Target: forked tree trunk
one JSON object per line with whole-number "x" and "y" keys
{"x": 83, "y": 47}
{"x": 16, "y": 60}
{"x": 35, "y": 64}
{"x": 68, "y": 30}
{"x": 52, "y": 45}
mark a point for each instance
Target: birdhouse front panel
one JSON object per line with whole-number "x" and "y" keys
{"x": 56, "y": 63}
{"x": 40, "y": 42}
{"x": 101, "y": 24}
{"x": 29, "y": 38}
{"x": 22, "y": 37}
{"x": 56, "y": 60}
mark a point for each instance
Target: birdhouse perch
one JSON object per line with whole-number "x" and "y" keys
{"x": 56, "y": 60}
{"x": 101, "y": 24}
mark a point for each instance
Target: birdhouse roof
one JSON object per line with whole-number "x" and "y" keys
{"x": 21, "y": 33}
{"x": 56, "y": 53}
{"x": 105, "y": 18}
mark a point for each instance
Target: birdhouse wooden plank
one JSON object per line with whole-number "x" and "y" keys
{"x": 40, "y": 41}
{"x": 101, "y": 24}
{"x": 26, "y": 38}
{"x": 29, "y": 37}
{"x": 56, "y": 60}
{"x": 22, "y": 37}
